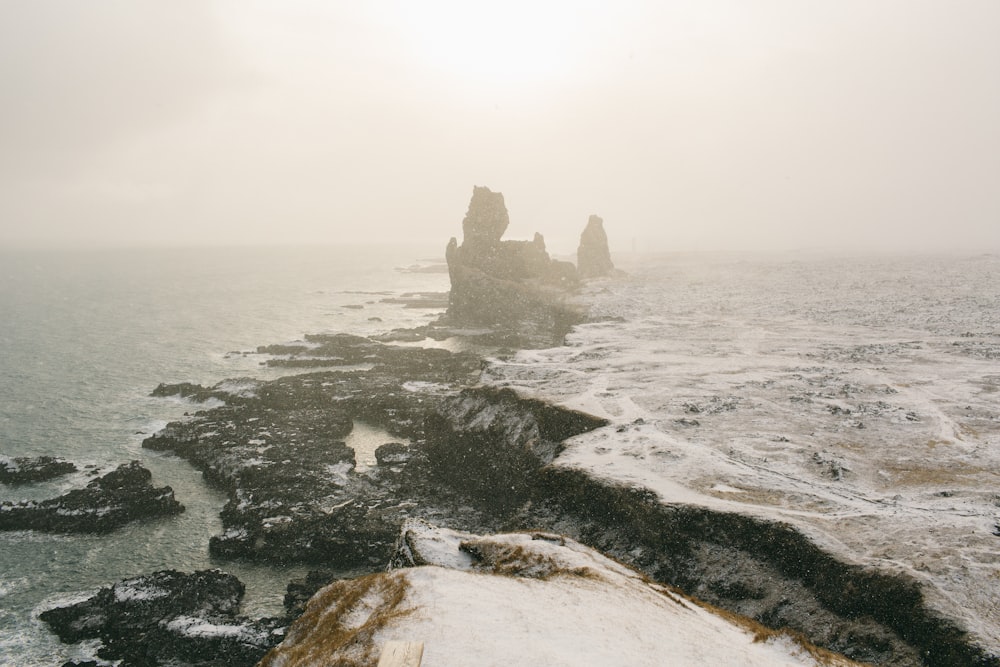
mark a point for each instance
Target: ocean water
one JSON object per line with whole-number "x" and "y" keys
{"x": 86, "y": 335}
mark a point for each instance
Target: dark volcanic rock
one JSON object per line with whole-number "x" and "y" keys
{"x": 22, "y": 470}
{"x": 182, "y": 389}
{"x": 415, "y": 363}
{"x": 300, "y": 590}
{"x": 593, "y": 258}
{"x": 295, "y": 491}
{"x": 513, "y": 284}
{"x": 124, "y": 494}
{"x": 491, "y": 443}
{"x": 481, "y": 460}
{"x": 392, "y": 453}
{"x": 169, "y": 618}
{"x": 762, "y": 569}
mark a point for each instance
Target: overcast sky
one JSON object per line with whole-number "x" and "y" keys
{"x": 687, "y": 125}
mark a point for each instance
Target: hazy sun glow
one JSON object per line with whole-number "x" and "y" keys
{"x": 513, "y": 44}
{"x": 685, "y": 124}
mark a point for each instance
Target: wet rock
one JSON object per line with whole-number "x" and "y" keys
{"x": 392, "y": 453}
{"x": 295, "y": 493}
{"x": 169, "y": 618}
{"x": 593, "y": 258}
{"x": 181, "y": 389}
{"x": 300, "y": 590}
{"x": 348, "y": 350}
{"x": 24, "y": 470}
{"x": 123, "y": 495}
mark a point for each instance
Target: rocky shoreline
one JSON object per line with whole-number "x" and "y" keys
{"x": 472, "y": 458}
{"x": 480, "y": 459}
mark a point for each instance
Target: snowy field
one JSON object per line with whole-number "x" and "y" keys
{"x": 858, "y": 398}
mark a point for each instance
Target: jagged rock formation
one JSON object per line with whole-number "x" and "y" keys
{"x": 278, "y": 447}
{"x": 24, "y": 470}
{"x": 505, "y": 283}
{"x": 169, "y": 617}
{"x": 296, "y": 491}
{"x": 124, "y": 494}
{"x": 593, "y": 258}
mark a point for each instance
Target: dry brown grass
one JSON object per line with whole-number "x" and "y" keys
{"x": 340, "y": 622}
{"x": 512, "y": 560}
{"x": 933, "y": 442}
{"x": 952, "y": 474}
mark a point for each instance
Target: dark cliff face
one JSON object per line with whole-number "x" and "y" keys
{"x": 498, "y": 283}
{"x": 593, "y": 258}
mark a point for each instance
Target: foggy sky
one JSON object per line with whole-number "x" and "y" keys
{"x": 687, "y": 125}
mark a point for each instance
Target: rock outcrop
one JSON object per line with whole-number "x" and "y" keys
{"x": 169, "y": 618}
{"x": 296, "y": 490}
{"x": 593, "y": 258}
{"x": 491, "y": 443}
{"x": 496, "y": 283}
{"x": 24, "y": 470}
{"x": 279, "y": 448}
{"x": 124, "y": 494}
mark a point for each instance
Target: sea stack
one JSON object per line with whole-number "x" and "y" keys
{"x": 593, "y": 258}
{"x": 507, "y": 284}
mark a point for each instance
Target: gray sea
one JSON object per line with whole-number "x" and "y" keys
{"x": 86, "y": 335}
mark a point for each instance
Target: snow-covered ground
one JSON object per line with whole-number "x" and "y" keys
{"x": 858, "y": 398}
{"x": 522, "y": 599}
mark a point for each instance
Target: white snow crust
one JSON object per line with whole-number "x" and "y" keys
{"x": 134, "y": 590}
{"x": 857, "y": 398}
{"x": 541, "y": 600}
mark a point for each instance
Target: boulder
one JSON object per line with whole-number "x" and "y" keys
{"x": 593, "y": 258}
{"x": 392, "y": 453}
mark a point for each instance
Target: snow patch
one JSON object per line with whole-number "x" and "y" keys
{"x": 136, "y": 590}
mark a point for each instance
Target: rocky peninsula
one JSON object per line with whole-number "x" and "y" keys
{"x": 473, "y": 458}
